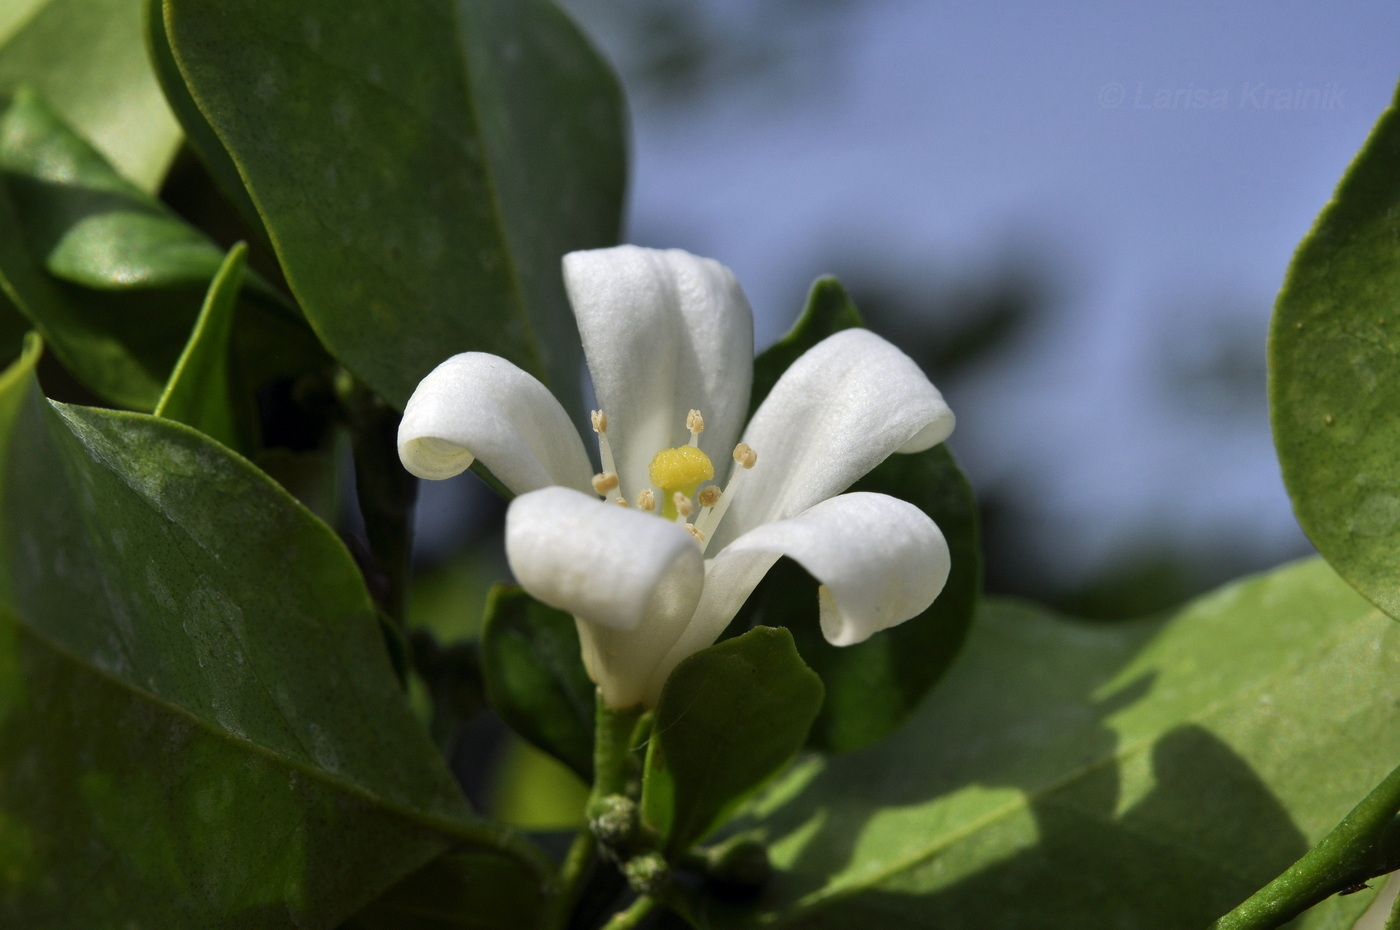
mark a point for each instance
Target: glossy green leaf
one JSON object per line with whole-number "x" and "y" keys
{"x": 200, "y": 136}
{"x": 1142, "y": 775}
{"x": 199, "y": 723}
{"x": 472, "y": 890}
{"x": 198, "y": 392}
{"x": 535, "y": 677}
{"x": 1334, "y": 372}
{"x": 111, "y": 276}
{"x": 871, "y": 687}
{"x": 420, "y": 168}
{"x": 88, "y": 59}
{"x": 729, "y": 718}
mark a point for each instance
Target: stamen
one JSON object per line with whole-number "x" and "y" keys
{"x": 600, "y": 426}
{"x": 696, "y": 424}
{"x": 646, "y": 499}
{"x": 699, "y": 536}
{"x": 746, "y": 458}
{"x": 605, "y": 482}
{"x": 684, "y": 505}
{"x": 622, "y": 502}
{"x": 709, "y": 496}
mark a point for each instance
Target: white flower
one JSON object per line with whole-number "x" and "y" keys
{"x": 668, "y": 338}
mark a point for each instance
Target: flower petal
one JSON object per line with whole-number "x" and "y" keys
{"x": 845, "y": 406}
{"x": 879, "y": 560}
{"x": 476, "y": 405}
{"x": 631, "y": 578}
{"x": 663, "y": 332}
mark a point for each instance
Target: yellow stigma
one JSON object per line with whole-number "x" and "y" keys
{"x": 679, "y": 470}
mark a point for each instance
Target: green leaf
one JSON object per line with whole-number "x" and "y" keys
{"x": 420, "y": 168}
{"x": 1334, "y": 372}
{"x": 199, "y": 721}
{"x": 472, "y": 890}
{"x": 871, "y": 687}
{"x": 88, "y": 58}
{"x": 200, "y": 136}
{"x": 198, "y": 392}
{"x": 111, "y": 276}
{"x": 535, "y": 677}
{"x": 1148, "y": 775}
{"x": 729, "y": 718}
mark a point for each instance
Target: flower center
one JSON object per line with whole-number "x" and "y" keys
{"x": 678, "y": 473}
{"x": 679, "y": 470}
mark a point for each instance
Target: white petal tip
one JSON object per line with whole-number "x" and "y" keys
{"x": 434, "y": 459}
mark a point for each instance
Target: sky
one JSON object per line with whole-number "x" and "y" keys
{"x": 1155, "y": 164}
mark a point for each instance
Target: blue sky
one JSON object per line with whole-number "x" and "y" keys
{"x": 1137, "y": 154}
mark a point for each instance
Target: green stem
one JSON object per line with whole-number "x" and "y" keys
{"x": 634, "y": 915}
{"x": 612, "y": 751}
{"x": 572, "y": 876}
{"x": 1365, "y": 844}
{"x": 386, "y": 494}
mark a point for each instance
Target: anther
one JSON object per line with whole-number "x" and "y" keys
{"x": 745, "y": 455}
{"x": 605, "y": 482}
{"x": 684, "y": 506}
{"x": 699, "y": 536}
{"x": 696, "y": 424}
{"x": 709, "y": 496}
{"x": 646, "y": 499}
{"x": 600, "y": 421}
{"x": 622, "y": 502}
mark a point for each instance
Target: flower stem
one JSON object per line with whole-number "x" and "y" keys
{"x": 634, "y": 915}
{"x": 572, "y": 876}
{"x": 612, "y": 750}
{"x": 1364, "y": 845}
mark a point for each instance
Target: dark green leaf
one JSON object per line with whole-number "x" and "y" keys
{"x": 871, "y": 687}
{"x": 472, "y": 890}
{"x": 1147, "y": 775}
{"x": 199, "y": 722}
{"x": 535, "y": 677}
{"x": 88, "y": 59}
{"x": 110, "y": 276}
{"x": 198, "y": 393}
{"x": 729, "y": 718}
{"x": 198, "y": 133}
{"x": 1334, "y": 372}
{"x": 420, "y": 168}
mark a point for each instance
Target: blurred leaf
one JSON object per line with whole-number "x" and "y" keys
{"x": 535, "y": 677}
{"x": 533, "y": 791}
{"x": 871, "y": 687}
{"x": 13, "y": 326}
{"x": 1334, "y": 362}
{"x": 729, "y": 718}
{"x": 1149, "y": 774}
{"x": 198, "y": 392}
{"x": 88, "y": 59}
{"x": 468, "y": 890}
{"x": 200, "y": 723}
{"x": 111, "y": 276}
{"x": 420, "y": 168}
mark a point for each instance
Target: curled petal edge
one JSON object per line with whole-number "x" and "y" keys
{"x": 480, "y": 406}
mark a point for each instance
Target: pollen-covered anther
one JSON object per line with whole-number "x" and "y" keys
{"x": 744, "y": 455}
{"x": 605, "y": 482}
{"x": 708, "y": 496}
{"x": 600, "y": 421}
{"x": 684, "y": 505}
{"x": 696, "y": 424}
{"x": 646, "y": 499}
{"x": 694, "y": 531}
{"x": 622, "y": 502}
